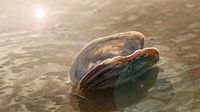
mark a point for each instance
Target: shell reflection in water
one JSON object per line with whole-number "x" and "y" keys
{"x": 112, "y": 60}
{"x": 116, "y": 98}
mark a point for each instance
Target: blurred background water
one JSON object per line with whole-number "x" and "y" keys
{"x": 39, "y": 39}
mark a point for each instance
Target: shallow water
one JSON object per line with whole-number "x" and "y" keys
{"x": 36, "y": 54}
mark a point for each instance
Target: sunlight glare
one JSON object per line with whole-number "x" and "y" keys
{"x": 40, "y": 14}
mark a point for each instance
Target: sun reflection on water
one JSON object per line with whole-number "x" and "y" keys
{"x": 40, "y": 18}
{"x": 40, "y": 14}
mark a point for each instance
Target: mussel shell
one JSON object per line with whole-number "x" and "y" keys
{"x": 102, "y": 61}
{"x": 104, "y": 48}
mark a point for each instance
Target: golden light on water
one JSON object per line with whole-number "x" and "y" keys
{"x": 40, "y": 14}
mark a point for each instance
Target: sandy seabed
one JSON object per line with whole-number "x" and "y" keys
{"x": 36, "y": 55}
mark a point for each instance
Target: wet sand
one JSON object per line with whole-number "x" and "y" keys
{"x": 36, "y": 55}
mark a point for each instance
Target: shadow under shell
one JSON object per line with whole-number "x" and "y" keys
{"x": 116, "y": 98}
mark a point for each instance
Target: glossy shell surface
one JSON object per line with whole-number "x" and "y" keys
{"x": 108, "y": 61}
